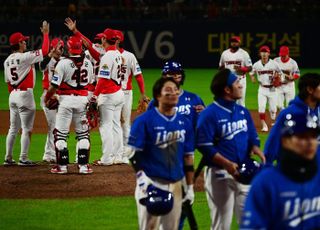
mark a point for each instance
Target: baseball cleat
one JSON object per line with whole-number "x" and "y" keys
{"x": 26, "y": 163}
{"x": 100, "y": 163}
{"x": 9, "y": 162}
{"x": 59, "y": 169}
{"x": 85, "y": 169}
{"x": 264, "y": 129}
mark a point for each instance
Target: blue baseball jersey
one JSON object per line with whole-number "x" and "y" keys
{"x": 227, "y": 128}
{"x": 273, "y": 143}
{"x": 276, "y": 202}
{"x": 163, "y": 141}
{"x": 185, "y": 106}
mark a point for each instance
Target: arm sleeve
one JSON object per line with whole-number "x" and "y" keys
{"x": 205, "y": 135}
{"x": 140, "y": 82}
{"x": 247, "y": 61}
{"x": 45, "y": 44}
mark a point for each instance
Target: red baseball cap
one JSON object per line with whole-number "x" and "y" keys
{"x": 55, "y": 42}
{"x": 110, "y": 34}
{"x": 284, "y": 51}
{"x": 119, "y": 35}
{"x": 17, "y": 37}
{"x": 99, "y": 36}
{"x": 235, "y": 39}
{"x": 264, "y": 49}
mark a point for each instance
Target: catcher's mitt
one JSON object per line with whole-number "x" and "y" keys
{"x": 276, "y": 80}
{"x": 143, "y": 105}
{"x": 93, "y": 114}
{"x": 52, "y": 103}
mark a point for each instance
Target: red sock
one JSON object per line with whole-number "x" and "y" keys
{"x": 262, "y": 116}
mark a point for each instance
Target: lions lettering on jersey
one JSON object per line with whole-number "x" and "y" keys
{"x": 164, "y": 138}
{"x": 230, "y": 129}
{"x": 298, "y": 210}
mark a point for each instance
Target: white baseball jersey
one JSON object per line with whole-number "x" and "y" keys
{"x": 265, "y": 72}
{"x": 18, "y": 66}
{"x": 240, "y": 58}
{"x": 290, "y": 67}
{"x": 132, "y": 68}
{"x": 110, "y": 66}
{"x": 95, "y": 63}
{"x": 66, "y": 72}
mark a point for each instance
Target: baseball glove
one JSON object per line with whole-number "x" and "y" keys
{"x": 52, "y": 103}
{"x": 93, "y": 115}
{"x": 276, "y": 80}
{"x": 143, "y": 105}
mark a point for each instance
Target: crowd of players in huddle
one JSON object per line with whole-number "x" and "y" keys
{"x": 162, "y": 140}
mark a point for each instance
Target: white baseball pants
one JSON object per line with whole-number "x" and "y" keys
{"x": 126, "y": 115}
{"x": 267, "y": 95}
{"x": 285, "y": 93}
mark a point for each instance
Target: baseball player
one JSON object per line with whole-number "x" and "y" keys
{"x": 189, "y": 104}
{"x": 20, "y": 76}
{"x": 131, "y": 68}
{"x": 237, "y": 60}
{"x": 291, "y": 72}
{"x": 47, "y": 66}
{"x": 266, "y": 70}
{"x": 307, "y": 101}
{"x": 71, "y": 76}
{"x": 287, "y": 196}
{"x": 226, "y": 137}
{"x": 161, "y": 142}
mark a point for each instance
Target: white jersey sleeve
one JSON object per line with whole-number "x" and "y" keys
{"x": 110, "y": 66}
{"x": 59, "y": 73}
{"x": 247, "y": 59}
{"x": 221, "y": 62}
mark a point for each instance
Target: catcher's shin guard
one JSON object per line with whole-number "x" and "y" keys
{"x": 63, "y": 156}
{"x": 60, "y": 141}
{"x": 83, "y": 156}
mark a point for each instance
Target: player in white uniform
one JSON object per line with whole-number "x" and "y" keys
{"x": 238, "y": 61}
{"x": 290, "y": 69}
{"x": 20, "y": 75}
{"x": 72, "y": 75}
{"x": 266, "y": 69}
{"x": 47, "y": 66}
{"x": 132, "y": 68}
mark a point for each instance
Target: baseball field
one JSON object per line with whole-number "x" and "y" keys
{"x": 32, "y": 198}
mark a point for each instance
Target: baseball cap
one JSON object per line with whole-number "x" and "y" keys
{"x": 110, "y": 34}
{"x": 284, "y": 51}
{"x": 17, "y": 37}
{"x": 235, "y": 39}
{"x": 99, "y": 36}
{"x": 54, "y": 42}
{"x": 299, "y": 123}
{"x": 264, "y": 49}
{"x": 119, "y": 35}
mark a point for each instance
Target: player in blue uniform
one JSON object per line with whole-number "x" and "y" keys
{"x": 189, "y": 104}
{"x": 226, "y": 137}
{"x": 288, "y": 196}
{"x": 307, "y": 101}
{"x": 162, "y": 144}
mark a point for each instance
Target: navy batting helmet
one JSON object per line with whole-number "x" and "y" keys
{"x": 247, "y": 170}
{"x": 159, "y": 202}
{"x": 173, "y": 67}
{"x": 298, "y": 123}
{"x": 74, "y": 45}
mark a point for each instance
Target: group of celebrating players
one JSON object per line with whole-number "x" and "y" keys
{"x": 163, "y": 139}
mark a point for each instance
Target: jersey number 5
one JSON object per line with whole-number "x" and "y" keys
{"x": 14, "y": 74}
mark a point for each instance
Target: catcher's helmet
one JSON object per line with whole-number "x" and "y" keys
{"x": 247, "y": 170}
{"x": 159, "y": 202}
{"x": 173, "y": 67}
{"x": 55, "y": 42}
{"x": 74, "y": 45}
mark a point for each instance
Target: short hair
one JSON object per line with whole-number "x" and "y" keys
{"x": 15, "y": 47}
{"x": 157, "y": 87}
{"x": 311, "y": 80}
{"x": 111, "y": 42}
{"x": 219, "y": 82}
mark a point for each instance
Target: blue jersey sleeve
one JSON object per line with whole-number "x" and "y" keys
{"x": 138, "y": 133}
{"x": 253, "y": 135}
{"x": 205, "y": 134}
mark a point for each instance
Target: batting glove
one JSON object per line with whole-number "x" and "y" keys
{"x": 189, "y": 194}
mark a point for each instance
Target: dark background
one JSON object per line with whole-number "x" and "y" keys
{"x": 193, "y": 32}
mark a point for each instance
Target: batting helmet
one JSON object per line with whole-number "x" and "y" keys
{"x": 247, "y": 170}
{"x": 173, "y": 67}
{"x": 299, "y": 123}
{"x": 55, "y": 42}
{"x": 159, "y": 202}
{"x": 74, "y": 45}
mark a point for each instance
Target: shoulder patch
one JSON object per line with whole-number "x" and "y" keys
{"x": 105, "y": 66}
